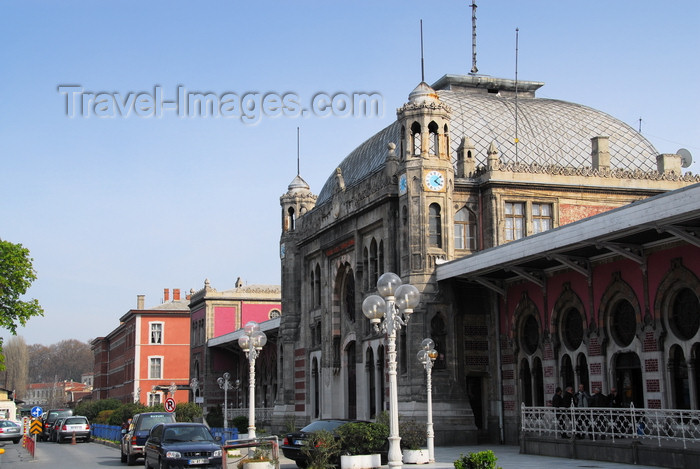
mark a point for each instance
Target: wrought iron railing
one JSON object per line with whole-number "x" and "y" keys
{"x": 263, "y": 415}
{"x": 598, "y": 423}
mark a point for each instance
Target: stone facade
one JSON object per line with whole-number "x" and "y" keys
{"x": 433, "y": 187}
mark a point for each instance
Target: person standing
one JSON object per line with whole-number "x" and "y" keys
{"x": 582, "y": 418}
{"x": 558, "y": 403}
{"x": 598, "y": 399}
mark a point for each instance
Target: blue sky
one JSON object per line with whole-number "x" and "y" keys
{"x": 116, "y": 207}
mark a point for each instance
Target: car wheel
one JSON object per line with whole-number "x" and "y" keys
{"x": 123, "y": 456}
{"x": 15, "y": 441}
{"x": 130, "y": 460}
{"x": 162, "y": 464}
{"x": 302, "y": 464}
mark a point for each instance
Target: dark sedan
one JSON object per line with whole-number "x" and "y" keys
{"x": 293, "y": 443}
{"x": 177, "y": 445}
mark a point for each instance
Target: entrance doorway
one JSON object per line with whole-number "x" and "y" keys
{"x": 628, "y": 379}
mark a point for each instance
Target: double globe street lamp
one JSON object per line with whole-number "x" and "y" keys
{"x": 394, "y": 306}
{"x": 252, "y": 343}
{"x": 225, "y": 384}
{"x": 427, "y": 356}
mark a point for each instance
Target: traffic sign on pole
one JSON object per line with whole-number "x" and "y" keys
{"x": 37, "y": 411}
{"x": 170, "y": 404}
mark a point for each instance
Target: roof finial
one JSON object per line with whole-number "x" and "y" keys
{"x": 422, "y": 64}
{"x": 474, "y": 69}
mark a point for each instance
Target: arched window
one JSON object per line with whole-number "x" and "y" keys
{"x": 365, "y": 269}
{"x": 623, "y": 325}
{"x": 465, "y": 230}
{"x": 435, "y": 225}
{"x": 685, "y": 314}
{"x": 416, "y": 139}
{"x": 348, "y": 297}
{"x": 530, "y": 335}
{"x": 373, "y": 275}
{"x": 526, "y": 382}
{"x": 291, "y": 219}
{"x": 404, "y": 222}
{"x": 572, "y": 329}
{"x": 434, "y": 142}
{"x": 567, "y": 372}
{"x": 317, "y": 285}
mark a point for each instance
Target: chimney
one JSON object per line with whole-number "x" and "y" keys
{"x": 600, "y": 153}
{"x": 668, "y": 163}
{"x": 176, "y": 294}
{"x": 166, "y": 295}
{"x": 140, "y": 301}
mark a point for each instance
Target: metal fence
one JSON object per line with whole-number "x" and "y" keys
{"x": 263, "y": 415}
{"x": 108, "y": 432}
{"x": 599, "y": 423}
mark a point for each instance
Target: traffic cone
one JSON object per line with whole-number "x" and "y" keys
{"x": 73, "y": 439}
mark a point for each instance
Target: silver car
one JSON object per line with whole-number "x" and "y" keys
{"x": 10, "y": 430}
{"x": 76, "y": 427}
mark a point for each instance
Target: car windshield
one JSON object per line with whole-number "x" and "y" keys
{"x": 149, "y": 421}
{"x": 187, "y": 433}
{"x": 75, "y": 421}
{"x": 318, "y": 425}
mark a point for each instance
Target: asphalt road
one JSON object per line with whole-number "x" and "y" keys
{"x": 95, "y": 456}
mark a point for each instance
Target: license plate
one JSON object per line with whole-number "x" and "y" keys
{"x": 13, "y": 430}
{"x": 198, "y": 461}
{"x": 299, "y": 442}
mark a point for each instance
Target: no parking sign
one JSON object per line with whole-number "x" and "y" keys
{"x": 170, "y": 404}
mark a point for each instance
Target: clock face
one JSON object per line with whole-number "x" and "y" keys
{"x": 403, "y": 184}
{"x": 434, "y": 180}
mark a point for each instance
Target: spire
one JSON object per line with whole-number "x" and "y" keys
{"x": 474, "y": 69}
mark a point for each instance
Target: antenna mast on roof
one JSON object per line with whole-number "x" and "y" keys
{"x": 516, "y": 95}
{"x": 298, "y": 172}
{"x": 422, "y": 64}
{"x": 474, "y": 69}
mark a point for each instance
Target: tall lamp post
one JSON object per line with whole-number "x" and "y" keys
{"x": 252, "y": 343}
{"x": 225, "y": 384}
{"x": 427, "y": 356}
{"x": 395, "y": 306}
{"x": 194, "y": 385}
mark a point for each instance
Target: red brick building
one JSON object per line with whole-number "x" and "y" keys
{"x": 149, "y": 351}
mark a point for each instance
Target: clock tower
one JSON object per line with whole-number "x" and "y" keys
{"x": 426, "y": 181}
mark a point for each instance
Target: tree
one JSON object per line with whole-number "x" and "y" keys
{"x": 17, "y": 373}
{"x": 66, "y": 360}
{"x": 16, "y": 276}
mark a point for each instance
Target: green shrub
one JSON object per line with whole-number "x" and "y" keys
{"x": 480, "y": 460}
{"x": 187, "y": 412}
{"x": 362, "y": 437}
{"x": 241, "y": 423}
{"x": 322, "y": 450}
{"x": 414, "y": 435}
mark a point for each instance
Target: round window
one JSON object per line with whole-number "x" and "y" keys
{"x": 572, "y": 332}
{"x": 685, "y": 315}
{"x": 624, "y": 323}
{"x": 530, "y": 335}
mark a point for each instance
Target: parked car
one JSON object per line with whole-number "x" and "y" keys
{"x": 50, "y": 418}
{"x": 294, "y": 442}
{"x": 135, "y": 436}
{"x": 76, "y": 426}
{"x": 10, "y": 430}
{"x": 182, "y": 444}
{"x": 54, "y": 428}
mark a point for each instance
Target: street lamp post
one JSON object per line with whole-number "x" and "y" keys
{"x": 194, "y": 385}
{"x": 225, "y": 384}
{"x": 252, "y": 343}
{"x": 395, "y": 306}
{"x": 427, "y": 356}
